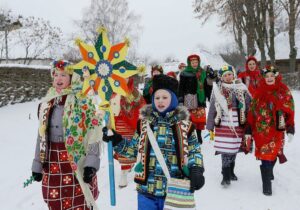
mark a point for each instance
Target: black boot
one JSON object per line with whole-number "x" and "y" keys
{"x": 199, "y": 136}
{"x": 233, "y": 177}
{"x": 266, "y": 179}
{"x": 226, "y": 171}
{"x": 272, "y": 174}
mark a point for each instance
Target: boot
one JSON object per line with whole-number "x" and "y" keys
{"x": 123, "y": 179}
{"x": 266, "y": 179}
{"x": 199, "y": 136}
{"x": 233, "y": 177}
{"x": 226, "y": 171}
{"x": 272, "y": 174}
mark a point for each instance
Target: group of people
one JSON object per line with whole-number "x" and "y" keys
{"x": 255, "y": 106}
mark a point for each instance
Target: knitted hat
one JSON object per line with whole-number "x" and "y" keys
{"x": 156, "y": 68}
{"x": 162, "y": 81}
{"x": 59, "y": 66}
{"x": 270, "y": 68}
{"x": 226, "y": 69}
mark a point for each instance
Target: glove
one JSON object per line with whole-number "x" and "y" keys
{"x": 88, "y": 174}
{"x": 111, "y": 135}
{"x": 37, "y": 176}
{"x": 211, "y": 135}
{"x": 290, "y": 137}
{"x": 196, "y": 177}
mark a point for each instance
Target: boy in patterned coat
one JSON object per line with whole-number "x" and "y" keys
{"x": 176, "y": 138}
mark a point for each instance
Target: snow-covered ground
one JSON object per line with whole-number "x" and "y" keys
{"x": 18, "y": 133}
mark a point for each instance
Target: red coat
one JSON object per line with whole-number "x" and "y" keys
{"x": 251, "y": 79}
{"x": 267, "y": 105}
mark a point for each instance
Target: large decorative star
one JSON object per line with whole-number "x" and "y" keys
{"x": 104, "y": 67}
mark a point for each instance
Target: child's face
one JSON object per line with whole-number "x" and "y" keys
{"x": 251, "y": 65}
{"x": 270, "y": 78}
{"x": 61, "y": 80}
{"x": 194, "y": 63}
{"x": 162, "y": 100}
{"x": 228, "y": 77}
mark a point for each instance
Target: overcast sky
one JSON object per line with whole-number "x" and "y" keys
{"x": 169, "y": 26}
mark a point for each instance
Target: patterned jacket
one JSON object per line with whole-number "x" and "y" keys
{"x": 178, "y": 142}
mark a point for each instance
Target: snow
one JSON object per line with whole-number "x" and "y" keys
{"x": 18, "y": 135}
{"x": 14, "y": 65}
{"x": 282, "y": 45}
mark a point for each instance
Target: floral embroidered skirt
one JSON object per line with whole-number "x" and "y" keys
{"x": 60, "y": 187}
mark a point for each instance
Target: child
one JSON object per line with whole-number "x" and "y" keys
{"x": 271, "y": 113}
{"x": 193, "y": 91}
{"x": 126, "y": 111}
{"x": 148, "y": 90}
{"x": 66, "y": 144}
{"x": 252, "y": 76}
{"x": 227, "y": 115}
{"x": 175, "y": 135}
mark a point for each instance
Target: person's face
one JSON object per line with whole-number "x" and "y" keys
{"x": 251, "y": 65}
{"x": 270, "y": 78}
{"x": 61, "y": 80}
{"x": 182, "y": 68}
{"x": 194, "y": 63}
{"x": 155, "y": 72}
{"x": 162, "y": 100}
{"x": 228, "y": 77}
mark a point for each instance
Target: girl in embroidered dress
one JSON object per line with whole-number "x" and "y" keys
{"x": 271, "y": 114}
{"x": 67, "y": 149}
{"x": 176, "y": 138}
{"x": 226, "y": 119}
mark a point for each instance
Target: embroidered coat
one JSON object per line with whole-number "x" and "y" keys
{"x": 271, "y": 113}
{"x": 178, "y": 142}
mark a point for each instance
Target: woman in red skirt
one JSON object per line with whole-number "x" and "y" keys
{"x": 67, "y": 151}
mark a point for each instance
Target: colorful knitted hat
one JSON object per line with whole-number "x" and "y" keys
{"x": 270, "y": 68}
{"x": 61, "y": 65}
{"x": 156, "y": 68}
{"x": 162, "y": 81}
{"x": 226, "y": 69}
{"x": 194, "y": 57}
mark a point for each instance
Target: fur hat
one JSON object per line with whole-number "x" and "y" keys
{"x": 270, "y": 68}
{"x": 156, "y": 68}
{"x": 61, "y": 65}
{"x": 226, "y": 69}
{"x": 165, "y": 82}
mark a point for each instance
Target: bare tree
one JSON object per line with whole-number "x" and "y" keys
{"x": 292, "y": 8}
{"x": 37, "y": 37}
{"x": 113, "y": 15}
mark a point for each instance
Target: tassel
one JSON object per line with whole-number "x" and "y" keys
{"x": 28, "y": 182}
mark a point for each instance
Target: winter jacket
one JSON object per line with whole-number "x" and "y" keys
{"x": 188, "y": 85}
{"x": 175, "y": 135}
